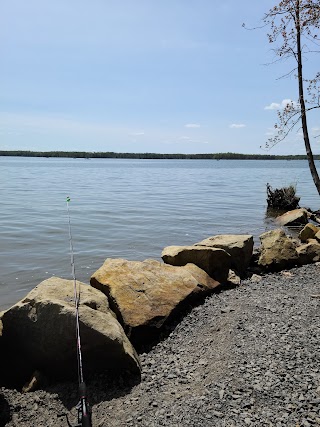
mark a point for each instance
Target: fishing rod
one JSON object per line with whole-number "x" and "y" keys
{"x": 83, "y": 407}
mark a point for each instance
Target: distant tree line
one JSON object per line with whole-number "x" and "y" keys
{"x": 113, "y": 155}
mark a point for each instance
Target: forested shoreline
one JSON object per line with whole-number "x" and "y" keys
{"x": 114, "y": 155}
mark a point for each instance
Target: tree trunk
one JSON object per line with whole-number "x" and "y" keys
{"x": 309, "y": 153}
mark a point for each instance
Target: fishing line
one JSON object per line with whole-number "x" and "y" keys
{"x": 76, "y": 292}
{"x": 83, "y": 408}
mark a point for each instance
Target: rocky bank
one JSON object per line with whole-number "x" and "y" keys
{"x": 246, "y": 356}
{"x": 179, "y": 343}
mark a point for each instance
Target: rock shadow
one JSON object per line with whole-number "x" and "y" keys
{"x": 107, "y": 386}
{"x": 144, "y": 338}
{"x": 5, "y": 415}
{"x": 100, "y": 387}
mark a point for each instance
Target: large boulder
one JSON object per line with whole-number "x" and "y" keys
{"x": 309, "y": 252}
{"x": 278, "y": 252}
{"x": 145, "y": 293}
{"x": 308, "y": 232}
{"x": 39, "y": 333}
{"x": 294, "y": 217}
{"x": 214, "y": 261}
{"x": 239, "y": 246}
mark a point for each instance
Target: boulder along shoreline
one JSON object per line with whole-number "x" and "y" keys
{"x": 199, "y": 339}
{"x": 246, "y": 356}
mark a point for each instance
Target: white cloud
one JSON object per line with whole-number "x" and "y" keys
{"x": 192, "y": 125}
{"x": 186, "y": 138}
{"x": 137, "y": 133}
{"x": 237, "y": 125}
{"x": 272, "y": 106}
{"x": 283, "y": 104}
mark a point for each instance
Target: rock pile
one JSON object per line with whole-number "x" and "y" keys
{"x": 129, "y": 303}
{"x": 247, "y": 357}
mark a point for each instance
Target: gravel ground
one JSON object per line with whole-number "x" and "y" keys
{"x": 247, "y": 356}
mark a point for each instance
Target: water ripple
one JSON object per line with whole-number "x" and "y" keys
{"x": 125, "y": 208}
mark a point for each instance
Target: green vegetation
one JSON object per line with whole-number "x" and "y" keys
{"x": 113, "y": 155}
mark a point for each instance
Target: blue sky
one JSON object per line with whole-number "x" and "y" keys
{"x": 164, "y": 76}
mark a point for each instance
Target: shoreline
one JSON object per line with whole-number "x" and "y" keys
{"x": 247, "y": 356}
{"x": 150, "y": 156}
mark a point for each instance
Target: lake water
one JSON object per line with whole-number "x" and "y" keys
{"x": 126, "y": 209}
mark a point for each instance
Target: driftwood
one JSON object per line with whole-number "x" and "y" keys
{"x": 283, "y": 198}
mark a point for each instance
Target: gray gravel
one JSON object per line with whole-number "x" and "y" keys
{"x": 248, "y": 356}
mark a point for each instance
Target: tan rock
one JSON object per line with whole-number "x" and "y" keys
{"x": 239, "y": 246}
{"x": 144, "y": 294}
{"x": 309, "y": 252}
{"x": 34, "y": 383}
{"x": 308, "y": 232}
{"x": 287, "y": 274}
{"x": 278, "y": 252}
{"x": 233, "y": 278}
{"x": 294, "y": 217}
{"x": 205, "y": 282}
{"x": 214, "y": 261}
{"x": 40, "y": 331}
{"x": 256, "y": 278}
{"x": 317, "y": 236}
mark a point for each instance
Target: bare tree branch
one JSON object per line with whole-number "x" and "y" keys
{"x": 294, "y": 25}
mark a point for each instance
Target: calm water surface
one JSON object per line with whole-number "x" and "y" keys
{"x": 126, "y": 209}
